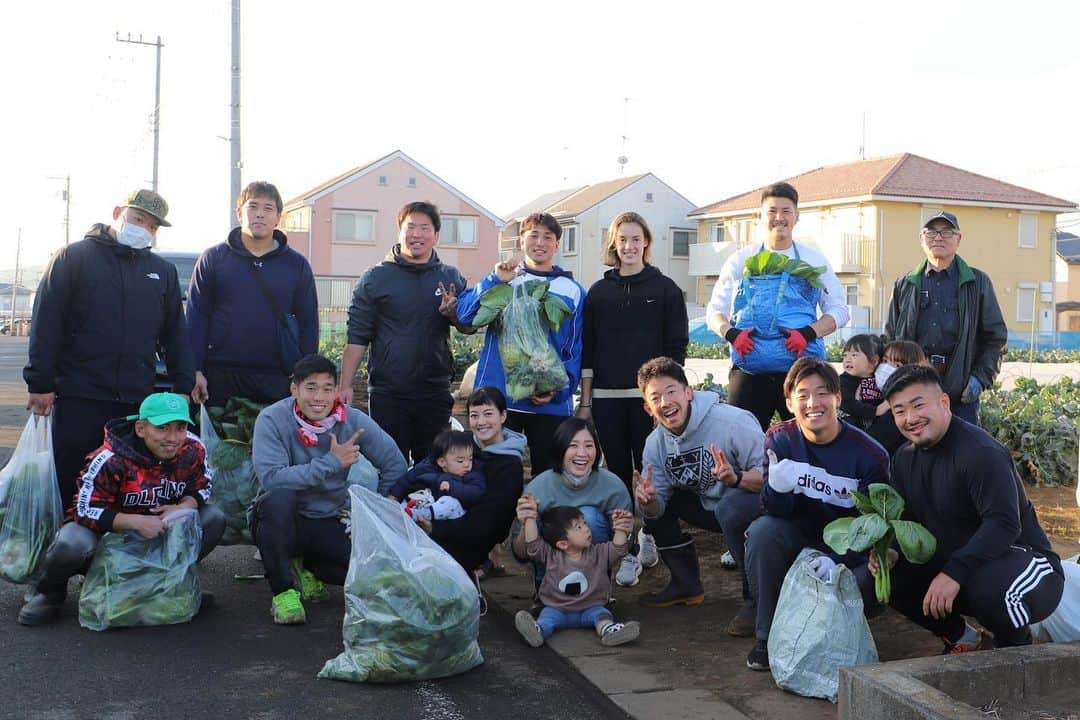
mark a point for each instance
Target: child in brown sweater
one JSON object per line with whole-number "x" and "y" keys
{"x": 577, "y": 582}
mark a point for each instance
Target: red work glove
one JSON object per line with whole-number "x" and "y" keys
{"x": 797, "y": 340}
{"x": 741, "y": 340}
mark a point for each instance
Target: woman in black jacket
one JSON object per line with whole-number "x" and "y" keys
{"x": 633, "y": 314}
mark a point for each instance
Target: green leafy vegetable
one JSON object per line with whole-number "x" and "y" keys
{"x": 876, "y": 528}
{"x": 768, "y": 262}
{"x": 30, "y": 508}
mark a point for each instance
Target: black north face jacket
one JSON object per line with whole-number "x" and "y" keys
{"x": 100, "y": 313}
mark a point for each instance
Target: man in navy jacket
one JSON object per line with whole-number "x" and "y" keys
{"x": 234, "y": 327}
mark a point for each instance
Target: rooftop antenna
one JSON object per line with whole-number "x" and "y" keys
{"x": 862, "y": 142}
{"x": 623, "y": 159}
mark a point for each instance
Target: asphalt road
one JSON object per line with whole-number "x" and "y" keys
{"x": 233, "y": 662}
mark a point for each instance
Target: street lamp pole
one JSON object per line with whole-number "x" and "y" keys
{"x": 157, "y": 96}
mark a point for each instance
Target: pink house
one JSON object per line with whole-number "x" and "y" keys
{"x": 349, "y": 223}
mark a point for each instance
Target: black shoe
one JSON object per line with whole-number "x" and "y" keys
{"x": 41, "y": 609}
{"x": 744, "y": 622}
{"x": 758, "y": 659}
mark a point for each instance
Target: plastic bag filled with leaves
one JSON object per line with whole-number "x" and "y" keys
{"x": 411, "y": 612}
{"x": 135, "y": 581}
{"x": 531, "y": 365}
{"x": 226, "y": 432}
{"x": 30, "y": 507}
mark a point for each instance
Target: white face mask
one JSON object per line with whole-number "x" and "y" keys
{"x": 574, "y": 480}
{"x": 134, "y": 236}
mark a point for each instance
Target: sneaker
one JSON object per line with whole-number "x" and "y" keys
{"x": 629, "y": 571}
{"x": 287, "y": 609}
{"x": 985, "y": 642}
{"x": 311, "y": 587}
{"x": 744, "y": 622}
{"x": 528, "y": 628}
{"x": 758, "y": 659}
{"x": 727, "y": 561}
{"x": 620, "y": 633}
{"x": 40, "y": 609}
{"x": 647, "y": 552}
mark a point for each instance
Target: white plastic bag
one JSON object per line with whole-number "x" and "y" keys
{"x": 30, "y": 507}
{"x": 1063, "y": 625}
{"x": 411, "y": 612}
{"x": 818, "y": 628}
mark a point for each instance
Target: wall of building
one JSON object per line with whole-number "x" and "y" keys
{"x": 367, "y": 194}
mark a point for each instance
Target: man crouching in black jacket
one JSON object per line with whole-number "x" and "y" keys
{"x": 993, "y": 560}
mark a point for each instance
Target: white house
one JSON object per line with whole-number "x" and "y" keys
{"x": 585, "y": 213}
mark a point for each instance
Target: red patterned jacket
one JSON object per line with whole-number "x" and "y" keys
{"x": 122, "y": 477}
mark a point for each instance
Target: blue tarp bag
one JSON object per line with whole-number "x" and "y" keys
{"x": 767, "y": 303}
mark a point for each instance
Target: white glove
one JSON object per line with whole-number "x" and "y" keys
{"x": 823, "y": 567}
{"x": 783, "y": 477}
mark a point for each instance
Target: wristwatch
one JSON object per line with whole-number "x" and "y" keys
{"x": 738, "y": 478}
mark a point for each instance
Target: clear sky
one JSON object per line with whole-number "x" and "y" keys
{"x": 508, "y": 100}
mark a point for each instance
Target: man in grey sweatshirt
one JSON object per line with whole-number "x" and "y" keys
{"x": 303, "y": 448}
{"x": 702, "y": 466}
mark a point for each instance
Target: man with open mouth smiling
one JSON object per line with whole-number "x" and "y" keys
{"x": 702, "y": 466}
{"x": 812, "y": 463}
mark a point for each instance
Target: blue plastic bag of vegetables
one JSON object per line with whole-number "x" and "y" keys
{"x": 411, "y": 612}
{"x": 133, "y": 580}
{"x": 30, "y": 506}
{"x": 776, "y": 292}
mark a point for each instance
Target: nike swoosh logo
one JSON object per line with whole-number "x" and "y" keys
{"x": 650, "y": 300}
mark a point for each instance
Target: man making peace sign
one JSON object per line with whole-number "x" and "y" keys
{"x": 702, "y": 465}
{"x": 303, "y": 448}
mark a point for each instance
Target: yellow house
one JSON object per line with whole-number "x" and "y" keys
{"x": 865, "y": 217}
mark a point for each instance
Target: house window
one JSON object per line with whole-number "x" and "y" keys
{"x": 680, "y": 242}
{"x": 648, "y": 197}
{"x": 457, "y": 231}
{"x": 383, "y": 180}
{"x": 569, "y": 240}
{"x": 298, "y": 220}
{"x": 1029, "y": 229}
{"x": 851, "y": 294}
{"x": 334, "y": 292}
{"x": 1025, "y": 302}
{"x": 354, "y": 227}
{"x": 412, "y": 182}
{"x": 716, "y": 233}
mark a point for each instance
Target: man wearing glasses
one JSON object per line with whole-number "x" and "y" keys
{"x": 950, "y": 310}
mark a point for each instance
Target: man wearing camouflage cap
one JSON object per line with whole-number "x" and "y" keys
{"x": 103, "y": 306}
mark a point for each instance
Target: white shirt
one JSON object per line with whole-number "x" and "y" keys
{"x": 832, "y": 302}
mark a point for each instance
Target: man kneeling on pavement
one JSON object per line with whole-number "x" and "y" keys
{"x": 702, "y": 466}
{"x": 993, "y": 560}
{"x": 302, "y": 449}
{"x": 812, "y": 463}
{"x": 149, "y": 467}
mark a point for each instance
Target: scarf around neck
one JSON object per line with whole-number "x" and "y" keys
{"x": 310, "y": 430}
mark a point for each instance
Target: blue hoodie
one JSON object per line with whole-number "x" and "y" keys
{"x": 567, "y": 342}
{"x": 230, "y": 323}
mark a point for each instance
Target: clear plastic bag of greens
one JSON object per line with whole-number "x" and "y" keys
{"x": 133, "y": 580}
{"x": 530, "y": 363}
{"x": 411, "y": 612}
{"x": 235, "y": 485}
{"x": 30, "y": 506}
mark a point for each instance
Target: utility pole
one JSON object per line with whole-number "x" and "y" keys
{"x": 67, "y": 206}
{"x": 157, "y": 96}
{"x": 235, "y": 164}
{"x": 15, "y": 283}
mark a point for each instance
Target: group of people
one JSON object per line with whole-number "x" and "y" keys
{"x": 904, "y": 412}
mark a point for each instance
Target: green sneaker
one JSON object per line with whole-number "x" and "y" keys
{"x": 311, "y": 587}
{"x": 287, "y": 609}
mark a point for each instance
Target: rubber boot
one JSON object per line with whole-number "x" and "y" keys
{"x": 685, "y": 587}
